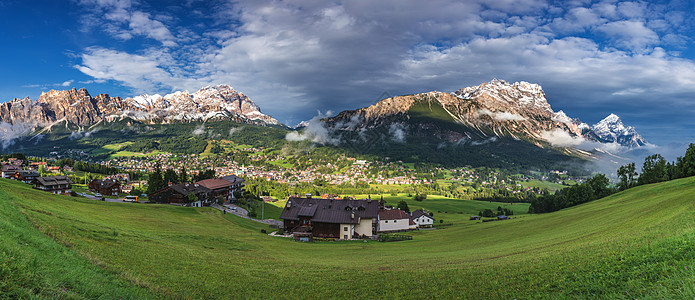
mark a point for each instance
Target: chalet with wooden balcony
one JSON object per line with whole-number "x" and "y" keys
{"x": 331, "y": 218}
{"x": 53, "y": 184}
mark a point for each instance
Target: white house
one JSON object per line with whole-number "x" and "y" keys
{"x": 393, "y": 220}
{"x": 422, "y": 218}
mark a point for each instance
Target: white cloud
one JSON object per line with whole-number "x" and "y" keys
{"x": 340, "y": 55}
{"x": 561, "y": 138}
{"x": 143, "y": 73}
{"x": 10, "y": 132}
{"x": 501, "y": 115}
{"x": 397, "y": 132}
{"x": 234, "y": 130}
{"x": 316, "y": 132}
{"x": 630, "y": 34}
{"x": 122, "y": 20}
{"x": 199, "y": 130}
{"x": 67, "y": 83}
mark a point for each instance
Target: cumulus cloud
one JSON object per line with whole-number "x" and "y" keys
{"x": 199, "y": 130}
{"x": 234, "y": 130}
{"x": 397, "y": 132}
{"x": 315, "y": 131}
{"x": 122, "y": 20}
{"x": 312, "y": 53}
{"x": 501, "y": 115}
{"x": 561, "y": 138}
{"x": 142, "y": 72}
{"x": 76, "y": 135}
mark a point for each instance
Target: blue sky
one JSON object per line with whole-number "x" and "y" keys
{"x": 632, "y": 58}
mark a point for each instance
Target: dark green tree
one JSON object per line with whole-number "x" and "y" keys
{"x": 403, "y": 206}
{"x": 207, "y": 174}
{"x": 183, "y": 175}
{"x": 155, "y": 180}
{"x": 170, "y": 176}
{"x": 686, "y": 164}
{"x": 627, "y": 175}
{"x": 653, "y": 170}
{"x": 600, "y": 185}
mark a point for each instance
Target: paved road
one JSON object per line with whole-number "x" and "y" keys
{"x": 106, "y": 198}
{"x": 245, "y": 215}
{"x": 228, "y": 207}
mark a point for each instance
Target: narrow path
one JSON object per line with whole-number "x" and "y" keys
{"x": 229, "y": 211}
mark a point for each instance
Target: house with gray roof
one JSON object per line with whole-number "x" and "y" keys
{"x": 331, "y": 218}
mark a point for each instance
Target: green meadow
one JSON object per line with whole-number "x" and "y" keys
{"x": 639, "y": 243}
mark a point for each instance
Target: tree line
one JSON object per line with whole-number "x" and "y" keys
{"x": 656, "y": 169}
{"x": 159, "y": 179}
{"x": 593, "y": 188}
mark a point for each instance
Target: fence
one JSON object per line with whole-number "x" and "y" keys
{"x": 394, "y": 237}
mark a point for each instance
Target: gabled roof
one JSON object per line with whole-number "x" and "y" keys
{"x": 28, "y": 173}
{"x": 10, "y": 168}
{"x": 187, "y": 188}
{"x": 216, "y": 183}
{"x": 233, "y": 179}
{"x": 53, "y": 180}
{"x": 418, "y": 213}
{"x": 106, "y": 183}
{"x": 393, "y": 214}
{"x": 330, "y": 210}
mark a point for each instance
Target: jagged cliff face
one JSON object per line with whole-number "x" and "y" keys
{"x": 80, "y": 108}
{"x": 494, "y": 109}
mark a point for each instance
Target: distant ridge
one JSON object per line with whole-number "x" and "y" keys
{"x": 81, "y": 109}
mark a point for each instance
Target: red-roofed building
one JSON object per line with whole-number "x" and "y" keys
{"x": 219, "y": 187}
{"x": 393, "y": 220}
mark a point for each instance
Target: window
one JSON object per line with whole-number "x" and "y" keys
{"x": 345, "y": 237}
{"x": 344, "y": 228}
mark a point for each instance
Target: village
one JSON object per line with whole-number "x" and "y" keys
{"x": 303, "y": 217}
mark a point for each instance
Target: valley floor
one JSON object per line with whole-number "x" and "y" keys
{"x": 634, "y": 244}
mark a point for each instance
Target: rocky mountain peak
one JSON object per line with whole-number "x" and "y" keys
{"x": 80, "y": 108}
{"x": 508, "y": 96}
{"x": 612, "y": 129}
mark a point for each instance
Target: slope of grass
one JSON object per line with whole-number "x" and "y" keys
{"x": 634, "y": 244}
{"x": 453, "y": 210}
{"x": 33, "y": 264}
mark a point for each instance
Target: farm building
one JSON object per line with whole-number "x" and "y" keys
{"x": 53, "y": 184}
{"x": 331, "y": 218}
{"x": 219, "y": 187}
{"x": 26, "y": 176}
{"x": 9, "y": 171}
{"x": 179, "y": 194}
{"x": 105, "y": 186}
{"x": 393, "y": 220}
{"x": 422, "y": 218}
{"x": 237, "y": 183}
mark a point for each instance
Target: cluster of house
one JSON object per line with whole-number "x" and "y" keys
{"x": 53, "y": 184}
{"x": 201, "y": 193}
{"x": 307, "y": 218}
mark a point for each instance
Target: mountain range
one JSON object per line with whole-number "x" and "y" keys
{"x": 79, "y": 108}
{"x": 472, "y": 123}
{"x": 494, "y": 109}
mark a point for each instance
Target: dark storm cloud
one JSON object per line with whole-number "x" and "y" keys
{"x": 294, "y": 57}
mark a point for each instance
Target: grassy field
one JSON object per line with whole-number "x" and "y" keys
{"x": 452, "y": 210}
{"x": 635, "y": 244}
{"x": 551, "y": 186}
